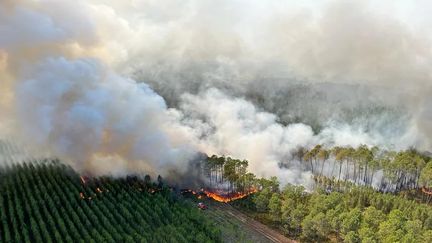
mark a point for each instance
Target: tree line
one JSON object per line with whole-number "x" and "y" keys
{"x": 228, "y": 173}
{"x": 385, "y": 170}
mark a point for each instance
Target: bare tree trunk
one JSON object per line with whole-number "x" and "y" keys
{"x": 311, "y": 165}
{"x": 365, "y": 173}
{"x": 332, "y": 170}
{"x": 322, "y": 167}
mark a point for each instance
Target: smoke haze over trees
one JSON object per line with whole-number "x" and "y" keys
{"x": 119, "y": 86}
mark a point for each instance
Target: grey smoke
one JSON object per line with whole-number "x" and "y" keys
{"x": 115, "y": 87}
{"x": 88, "y": 114}
{"x": 315, "y": 65}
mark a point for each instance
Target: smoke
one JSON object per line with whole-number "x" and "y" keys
{"x": 310, "y": 63}
{"x": 234, "y": 126}
{"x": 124, "y": 86}
{"x": 84, "y": 112}
{"x": 75, "y": 106}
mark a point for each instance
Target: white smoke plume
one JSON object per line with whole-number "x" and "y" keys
{"x": 115, "y": 87}
{"x": 87, "y": 113}
{"x": 74, "y": 106}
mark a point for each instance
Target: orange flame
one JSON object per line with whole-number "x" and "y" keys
{"x": 426, "y": 191}
{"x": 229, "y": 197}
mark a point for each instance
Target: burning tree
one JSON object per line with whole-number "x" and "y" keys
{"x": 223, "y": 179}
{"x": 426, "y": 181}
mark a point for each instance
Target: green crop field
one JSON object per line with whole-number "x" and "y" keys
{"x": 48, "y": 202}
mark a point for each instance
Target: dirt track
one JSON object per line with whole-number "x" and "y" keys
{"x": 264, "y": 230}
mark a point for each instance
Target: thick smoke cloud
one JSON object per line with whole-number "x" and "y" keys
{"x": 84, "y": 112}
{"x": 124, "y": 86}
{"x": 75, "y": 107}
{"x": 235, "y": 127}
{"x": 341, "y": 61}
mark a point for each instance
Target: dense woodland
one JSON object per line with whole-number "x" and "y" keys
{"x": 359, "y": 214}
{"x": 48, "y": 202}
{"x": 346, "y": 207}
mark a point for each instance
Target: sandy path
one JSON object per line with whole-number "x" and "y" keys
{"x": 269, "y": 233}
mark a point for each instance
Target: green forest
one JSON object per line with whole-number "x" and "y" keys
{"x": 359, "y": 214}
{"x": 48, "y": 202}
{"x": 345, "y": 207}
